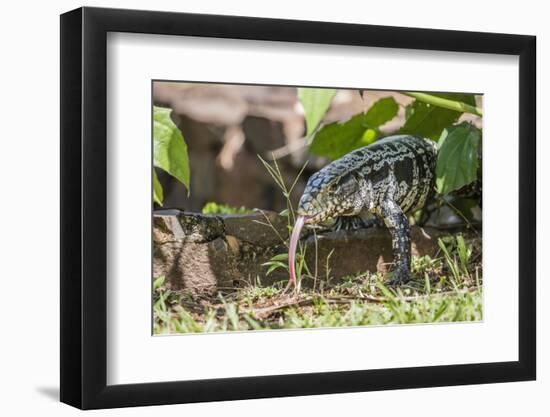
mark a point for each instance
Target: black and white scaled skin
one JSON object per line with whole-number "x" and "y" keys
{"x": 384, "y": 181}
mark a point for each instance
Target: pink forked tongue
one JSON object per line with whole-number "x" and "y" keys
{"x": 292, "y": 249}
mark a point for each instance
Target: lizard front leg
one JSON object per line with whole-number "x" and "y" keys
{"x": 398, "y": 224}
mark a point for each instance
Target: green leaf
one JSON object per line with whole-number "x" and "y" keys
{"x": 274, "y": 266}
{"x": 382, "y": 112}
{"x": 337, "y": 139}
{"x": 280, "y": 257}
{"x": 316, "y": 102}
{"x": 170, "y": 150}
{"x": 428, "y": 120}
{"x": 457, "y": 160}
{"x": 158, "y": 193}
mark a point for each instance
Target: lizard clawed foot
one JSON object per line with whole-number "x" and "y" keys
{"x": 348, "y": 223}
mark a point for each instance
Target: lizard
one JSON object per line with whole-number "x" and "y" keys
{"x": 384, "y": 181}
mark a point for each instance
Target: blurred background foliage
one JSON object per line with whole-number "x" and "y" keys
{"x": 207, "y": 138}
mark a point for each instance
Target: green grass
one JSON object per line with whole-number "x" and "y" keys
{"x": 447, "y": 288}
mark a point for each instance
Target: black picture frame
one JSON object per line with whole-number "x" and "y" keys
{"x": 84, "y": 207}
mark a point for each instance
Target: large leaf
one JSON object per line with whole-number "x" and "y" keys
{"x": 428, "y": 120}
{"x": 158, "y": 193}
{"x": 381, "y": 112}
{"x": 170, "y": 150}
{"x": 316, "y": 102}
{"x": 337, "y": 139}
{"x": 457, "y": 161}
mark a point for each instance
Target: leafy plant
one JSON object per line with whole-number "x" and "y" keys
{"x": 169, "y": 151}
{"x": 464, "y": 253}
{"x": 277, "y": 176}
{"x": 457, "y": 256}
{"x": 215, "y": 208}
{"x": 276, "y": 261}
{"x": 457, "y": 161}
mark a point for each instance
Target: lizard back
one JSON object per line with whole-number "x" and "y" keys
{"x": 400, "y": 167}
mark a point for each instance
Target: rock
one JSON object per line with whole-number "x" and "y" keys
{"x": 200, "y": 228}
{"x": 206, "y": 253}
{"x": 173, "y": 225}
{"x": 364, "y": 250}
{"x": 264, "y": 229}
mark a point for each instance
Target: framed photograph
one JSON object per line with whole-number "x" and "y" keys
{"x": 257, "y": 208}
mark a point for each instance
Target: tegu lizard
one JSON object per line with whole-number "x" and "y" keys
{"x": 383, "y": 181}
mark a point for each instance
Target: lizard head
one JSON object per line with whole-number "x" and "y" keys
{"x": 328, "y": 195}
